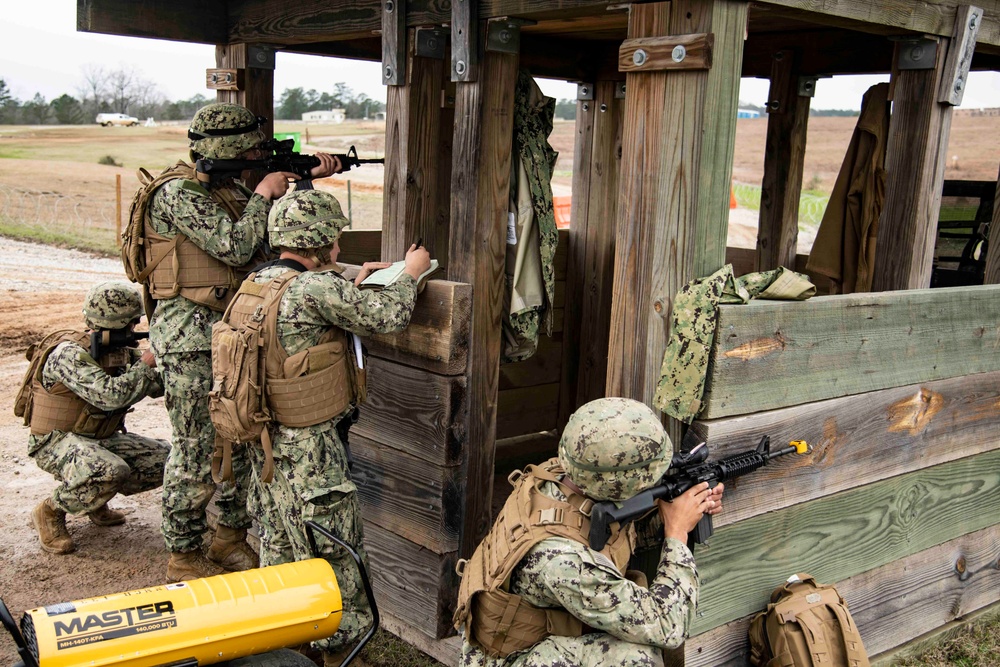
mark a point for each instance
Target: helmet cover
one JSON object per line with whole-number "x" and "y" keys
{"x": 614, "y": 448}
{"x": 305, "y": 219}
{"x": 215, "y": 131}
{"x": 111, "y": 304}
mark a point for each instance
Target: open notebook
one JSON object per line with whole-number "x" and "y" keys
{"x": 389, "y": 275}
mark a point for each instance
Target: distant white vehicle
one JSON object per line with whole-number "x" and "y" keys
{"x": 109, "y": 119}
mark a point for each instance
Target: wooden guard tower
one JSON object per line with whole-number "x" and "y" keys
{"x": 898, "y": 390}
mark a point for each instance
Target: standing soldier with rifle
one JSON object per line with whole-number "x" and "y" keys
{"x": 534, "y": 593}
{"x": 197, "y": 235}
{"x": 76, "y": 403}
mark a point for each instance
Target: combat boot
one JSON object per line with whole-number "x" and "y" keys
{"x": 50, "y": 522}
{"x": 105, "y": 516}
{"x": 230, "y": 550}
{"x": 188, "y": 565}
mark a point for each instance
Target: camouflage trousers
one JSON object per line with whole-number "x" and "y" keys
{"x": 312, "y": 483}
{"x": 91, "y": 472}
{"x": 597, "y": 649}
{"x": 187, "y": 480}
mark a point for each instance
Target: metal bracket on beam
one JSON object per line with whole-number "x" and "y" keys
{"x": 960, "y": 50}
{"x": 584, "y": 91}
{"x": 464, "y": 40}
{"x": 431, "y": 42}
{"x": 503, "y": 35}
{"x": 807, "y": 85}
{"x": 260, "y": 56}
{"x": 916, "y": 53}
{"x": 619, "y": 90}
{"x": 225, "y": 79}
{"x": 651, "y": 54}
{"x": 394, "y": 42}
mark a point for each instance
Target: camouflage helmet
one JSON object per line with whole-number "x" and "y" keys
{"x": 111, "y": 305}
{"x": 614, "y": 448}
{"x": 224, "y": 131}
{"x": 305, "y": 219}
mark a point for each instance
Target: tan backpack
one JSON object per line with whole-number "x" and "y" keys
{"x": 37, "y": 354}
{"x": 806, "y": 625}
{"x": 133, "y": 235}
{"x": 237, "y": 401}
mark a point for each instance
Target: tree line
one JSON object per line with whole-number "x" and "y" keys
{"x": 125, "y": 90}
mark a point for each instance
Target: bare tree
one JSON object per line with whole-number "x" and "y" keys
{"x": 94, "y": 90}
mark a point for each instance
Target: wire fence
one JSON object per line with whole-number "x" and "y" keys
{"x": 811, "y": 206}
{"x": 77, "y": 220}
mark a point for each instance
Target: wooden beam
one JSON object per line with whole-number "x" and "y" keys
{"x": 891, "y": 604}
{"x": 938, "y": 636}
{"x": 856, "y": 440}
{"x": 845, "y": 534}
{"x": 677, "y": 148}
{"x": 437, "y": 338}
{"x": 914, "y": 164}
{"x": 201, "y": 21}
{"x": 358, "y": 246}
{"x": 954, "y": 79}
{"x": 784, "y": 157}
{"x": 257, "y": 94}
{"x": 408, "y": 496}
{"x": 823, "y": 51}
{"x": 414, "y": 411}
{"x": 650, "y": 54}
{"x": 775, "y": 354}
{"x": 526, "y": 410}
{"x": 484, "y": 113}
{"x": 992, "y": 275}
{"x": 412, "y": 134}
{"x": 394, "y": 48}
{"x": 465, "y": 40}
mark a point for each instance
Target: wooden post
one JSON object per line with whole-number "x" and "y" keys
{"x": 258, "y": 93}
{"x": 118, "y": 210}
{"x": 592, "y": 246}
{"x": 787, "y": 121}
{"x": 412, "y": 135}
{"x": 914, "y": 164}
{"x": 992, "y": 276}
{"x": 484, "y": 114}
{"x": 677, "y": 152}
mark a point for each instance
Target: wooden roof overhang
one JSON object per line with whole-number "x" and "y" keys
{"x": 571, "y": 39}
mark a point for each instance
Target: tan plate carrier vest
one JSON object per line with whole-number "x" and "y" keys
{"x": 191, "y": 272}
{"x": 497, "y": 621}
{"x": 59, "y": 409}
{"x": 304, "y": 389}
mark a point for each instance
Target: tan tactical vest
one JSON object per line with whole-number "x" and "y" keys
{"x": 494, "y": 619}
{"x": 58, "y": 408}
{"x": 190, "y": 271}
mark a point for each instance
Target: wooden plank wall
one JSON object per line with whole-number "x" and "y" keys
{"x": 899, "y": 501}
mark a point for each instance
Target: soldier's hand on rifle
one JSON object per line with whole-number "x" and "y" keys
{"x": 275, "y": 184}
{"x": 148, "y": 359}
{"x": 328, "y": 165}
{"x": 683, "y": 513}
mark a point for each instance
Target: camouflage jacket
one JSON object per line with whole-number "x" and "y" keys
{"x": 72, "y": 365}
{"x": 559, "y": 572}
{"x": 179, "y": 325}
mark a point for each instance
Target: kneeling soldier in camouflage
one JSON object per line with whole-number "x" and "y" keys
{"x": 76, "y": 408}
{"x": 534, "y": 593}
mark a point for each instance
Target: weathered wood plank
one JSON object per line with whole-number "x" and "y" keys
{"x": 437, "y": 338}
{"x": 649, "y": 54}
{"x": 775, "y": 354}
{"x": 184, "y": 20}
{"x": 416, "y": 412}
{"x": 394, "y": 46}
{"x": 412, "y": 134}
{"x": 784, "y": 158}
{"x": 543, "y": 367}
{"x": 891, "y": 604}
{"x": 413, "y": 583}
{"x": 857, "y": 440}
{"x": 358, "y": 246}
{"x": 840, "y": 536}
{"x": 992, "y": 275}
{"x": 447, "y": 651}
{"x": 480, "y": 186}
{"x": 937, "y": 636}
{"x": 527, "y": 410}
{"x": 679, "y": 133}
{"x": 914, "y": 163}
{"x": 406, "y": 495}
{"x": 257, "y": 94}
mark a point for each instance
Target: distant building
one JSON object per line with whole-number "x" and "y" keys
{"x": 331, "y": 116}
{"x": 747, "y": 113}
{"x": 995, "y": 111}
{"x": 379, "y": 115}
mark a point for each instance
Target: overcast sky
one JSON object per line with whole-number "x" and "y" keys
{"x": 43, "y": 53}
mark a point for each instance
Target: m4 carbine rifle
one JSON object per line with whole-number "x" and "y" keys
{"x": 689, "y": 469}
{"x": 281, "y": 158}
{"x": 105, "y": 340}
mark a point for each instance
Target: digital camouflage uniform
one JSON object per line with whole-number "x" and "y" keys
{"x": 181, "y": 338}
{"x": 529, "y": 307}
{"x": 311, "y": 476}
{"x": 612, "y": 448}
{"x": 91, "y": 471}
